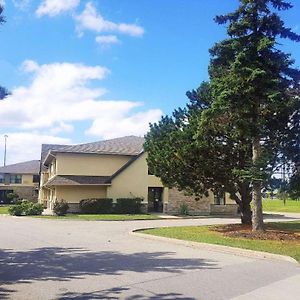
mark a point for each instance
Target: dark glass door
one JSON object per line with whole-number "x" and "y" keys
{"x": 155, "y": 201}
{"x": 3, "y": 196}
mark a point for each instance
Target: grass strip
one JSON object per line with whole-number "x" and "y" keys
{"x": 207, "y": 234}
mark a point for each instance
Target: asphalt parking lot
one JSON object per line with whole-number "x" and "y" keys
{"x": 65, "y": 259}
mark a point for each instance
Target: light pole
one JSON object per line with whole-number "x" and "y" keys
{"x": 5, "y": 141}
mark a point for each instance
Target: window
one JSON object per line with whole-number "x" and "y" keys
{"x": 15, "y": 178}
{"x": 219, "y": 198}
{"x": 1, "y": 178}
{"x": 36, "y": 178}
{"x": 150, "y": 172}
{"x": 3, "y": 196}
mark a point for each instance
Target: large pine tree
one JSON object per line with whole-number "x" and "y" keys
{"x": 247, "y": 119}
{"x": 252, "y": 80}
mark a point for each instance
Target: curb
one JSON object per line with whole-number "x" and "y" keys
{"x": 217, "y": 248}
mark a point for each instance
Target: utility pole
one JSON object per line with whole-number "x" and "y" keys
{"x": 5, "y": 141}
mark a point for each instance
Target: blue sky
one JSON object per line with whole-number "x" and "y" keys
{"x": 83, "y": 71}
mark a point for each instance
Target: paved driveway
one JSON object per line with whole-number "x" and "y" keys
{"x": 63, "y": 259}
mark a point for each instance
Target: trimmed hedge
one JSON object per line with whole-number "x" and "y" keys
{"x": 26, "y": 208}
{"x": 128, "y": 206}
{"x": 106, "y": 206}
{"x": 96, "y": 206}
{"x": 61, "y": 207}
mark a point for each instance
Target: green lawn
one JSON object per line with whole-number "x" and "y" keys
{"x": 101, "y": 217}
{"x": 206, "y": 234}
{"x": 3, "y": 209}
{"x": 278, "y": 206}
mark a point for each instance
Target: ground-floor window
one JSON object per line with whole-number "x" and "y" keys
{"x": 3, "y": 196}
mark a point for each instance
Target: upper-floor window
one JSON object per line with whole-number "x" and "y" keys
{"x": 149, "y": 172}
{"x": 15, "y": 178}
{"x": 36, "y": 178}
{"x": 1, "y": 178}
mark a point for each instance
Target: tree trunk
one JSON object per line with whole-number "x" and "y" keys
{"x": 257, "y": 216}
{"x": 246, "y": 213}
{"x": 243, "y": 201}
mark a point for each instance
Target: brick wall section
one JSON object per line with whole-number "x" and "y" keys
{"x": 228, "y": 209}
{"x": 27, "y": 192}
{"x": 24, "y": 192}
{"x": 177, "y": 198}
{"x": 73, "y": 208}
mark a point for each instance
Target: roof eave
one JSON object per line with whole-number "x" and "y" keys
{"x": 130, "y": 162}
{"x": 49, "y": 158}
{"x": 77, "y": 184}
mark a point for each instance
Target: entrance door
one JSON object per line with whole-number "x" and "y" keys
{"x": 3, "y": 196}
{"x": 155, "y": 201}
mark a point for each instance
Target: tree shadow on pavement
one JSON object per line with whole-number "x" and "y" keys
{"x": 65, "y": 264}
{"x": 118, "y": 293}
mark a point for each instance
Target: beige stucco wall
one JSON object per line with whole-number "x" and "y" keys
{"x": 74, "y": 194}
{"x": 133, "y": 181}
{"x": 27, "y": 179}
{"x": 44, "y": 178}
{"x": 89, "y": 164}
{"x": 44, "y": 195}
{"x": 52, "y": 169}
{"x": 228, "y": 200}
{"x": 153, "y": 181}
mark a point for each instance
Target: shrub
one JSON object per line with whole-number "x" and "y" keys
{"x": 184, "y": 209}
{"x": 26, "y": 208}
{"x": 96, "y": 206}
{"x": 128, "y": 205}
{"x": 34, "y": 209}
{"x": 61, "y": 207}
{"x": 12, "y": 197}
{"x": 15, "y": 210}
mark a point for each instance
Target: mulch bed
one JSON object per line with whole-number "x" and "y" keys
{"x": 245, "y": 231}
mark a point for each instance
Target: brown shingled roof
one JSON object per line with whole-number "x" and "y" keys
{"x": 48, "y": 147}
{"x": 78, "y": 180}
{"x": 27, "y": 167}
{"x": 45, "y": 150}
{"x": 127, "y": 145}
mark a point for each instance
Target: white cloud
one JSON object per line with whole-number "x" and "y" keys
{"x": 107, "y": 39}
{"x": 62, "y": 127}
{"x": 30, "y": 66}
{"x": 2, "y": 2}
{"x": 58, "y": 92}
{"x": 89, "y": 19}
{"x": 55, "y": 7}
{"x": 59, "y": 96}
{"x": 137, "y": 124}
{"x": 23, "y": 146}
